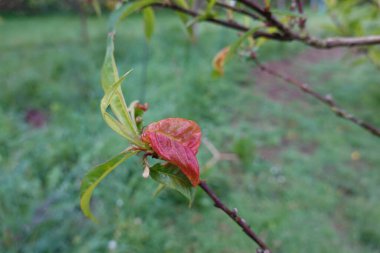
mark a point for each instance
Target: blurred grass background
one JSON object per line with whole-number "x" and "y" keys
{"x": 308, "y": 181}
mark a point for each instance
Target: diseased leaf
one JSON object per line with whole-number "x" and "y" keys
{"x": 171, "y": 177}
{"x": 184, "y": 131}
{"x": 219, "y": 60}
{"x": 97, "y": 174}
{"x": 148, "y": 14}
{"x": 176, "y": 153}
{"x": 224, "y": 55}
{"x": 176, "y": 140}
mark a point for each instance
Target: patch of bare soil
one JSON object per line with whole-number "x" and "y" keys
{"x": 273, "y": 152}
{"x": 280, "y": 92}
{"x": 297, "y": 67}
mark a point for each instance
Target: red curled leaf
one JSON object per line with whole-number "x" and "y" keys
{"x": 184, "y": 131}
{"x": 177, "y": 141}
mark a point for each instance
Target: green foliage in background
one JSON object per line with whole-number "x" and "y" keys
{"x": 311, "y": 186}
{"x": 357, "y": 18}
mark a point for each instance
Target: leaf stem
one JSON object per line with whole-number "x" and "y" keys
{"x": 235, "y": 217}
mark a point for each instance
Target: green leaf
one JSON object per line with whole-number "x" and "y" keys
{"x": 135, "y": 6}
{"x": 137, "y": 112}
{"x": 127, "y": 10}
{"x": 210, "y": 5}
{"x": 197, "y": 19}
{"x": 148, "y": 14}
{"x": 97, "y": 174}
{"x": 224, "y": 55}
{"x": 96, "y": 6}
{"x": 114, "y": 97}
{"x": 159, "y": 189}
{"x": 171, "y": 177}
{"x": 184, "y": 18}
{"x": 208, "y": 13}
{"x": 116, "y": 125}
{"x": 267, "y": 4}
{"x": 181, "y": 3}
{"x": 235, "y": 46}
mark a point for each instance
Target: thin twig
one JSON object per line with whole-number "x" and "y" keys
{"x": 299, "y": 6}
{"x": 254, "y": 6}
{"x": 328, "y": 100}
{"x": 340, "y": 41}
{"x": 229, "y": 24}
{"x": 301, "y": 20}
{"x": 217, "y": 156}
{"x": 235, "y": 217}
{"x": 309, "y": 40}
{"x": 238, "y": 10}
{"x": 285, "y": 34}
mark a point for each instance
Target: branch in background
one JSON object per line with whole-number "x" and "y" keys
{"x": 238, "y": 10}
{"x": 288, "y": 35}
{"x": 299, "y": 6}
{"x": 254, "y": 6}
{"x": 235, "y": 217}
{"x": 309, "y": 40}
{"x": 301, "y": 21}
{"x": 341, "y": 41}
{"x": 325, "y": 99}
{"x": 229, "y": 24}
{"x": 217, "y": 156}
{"x": 285, "y": 34}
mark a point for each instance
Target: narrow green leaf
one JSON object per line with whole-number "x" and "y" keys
{"x": 127, "y": 10}
{"x": 181, "y": 3}
{"x": 210, "y": 5}
{"x": 184, "y": 18}
{"x": 97, "y": 174}
{"x": 208, "y": 13}
{"x": 96, "y": 6}
{"x": 197, "y": 19}
{"x": 135, "y": 6}
{"x": 149, "y": 19}
{"x": 110, "y": 77}
{"x": 159, "y": 189}
{"x": 235, "y": 46}
{"x": 120, "y": 128}
{"x": 171, "y": 177}
{"x": 267, "y": 4}
{"x": 137, "y": 114}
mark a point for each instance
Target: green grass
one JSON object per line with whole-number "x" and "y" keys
{"x": 299, "y": 201}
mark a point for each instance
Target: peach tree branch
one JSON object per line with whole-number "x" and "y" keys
{"x": 285, "y": 33}
{"x": 233, "y": 214}
{"x": 327, "y": 99}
